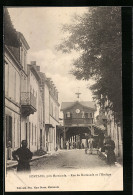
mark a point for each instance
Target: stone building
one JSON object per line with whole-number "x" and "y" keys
{"x": 51, "y": 111}
{"x": 33, "y": 109}
{"x": 12, "y": 76}
{"x": 31, "y": 99}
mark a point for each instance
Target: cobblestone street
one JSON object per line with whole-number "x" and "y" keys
{"x": 64, "y": 169}
{"x": 68, "y": 159}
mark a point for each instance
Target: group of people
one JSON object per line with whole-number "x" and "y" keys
{"x": 107, "y": 147}
{"x": 89, "y": 145}
{"x": 74, "y": 145}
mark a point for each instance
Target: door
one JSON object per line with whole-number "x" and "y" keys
{"x": 9, "y": 136}
{"x": 26, "y": 133}
{"x": 40, "y": 138}
{"x": 8, "y": 130}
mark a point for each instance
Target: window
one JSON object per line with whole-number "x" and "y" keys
{"x": 25, "y": 61}
{"x": 29, "y": 134}
{"x": 17, "y": 87}
{"x": 26, "y": 131}
{"x": 51, "y": 108}
{"x": 83, "y": 114}
{"x": 91, "y": 115}
{"x": 68, "y": 115}
{"x": 6, "y": 78}
{"x": 86, "y": 115}
{"x": 22, "y": 57}
{"x": 32, "y": 133}
{"x": 8, "y": 130}
{"x": 11, "y": 82}
{"x": 35, "y": 135}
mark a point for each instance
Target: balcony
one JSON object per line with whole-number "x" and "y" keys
{"x": 78, "y": 121}
{"x": 28, "y": 103}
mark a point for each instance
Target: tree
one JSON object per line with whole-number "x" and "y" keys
{"x": 97, "y": 36}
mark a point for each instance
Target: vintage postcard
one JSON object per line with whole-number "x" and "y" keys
{"x": 63, "y": 99}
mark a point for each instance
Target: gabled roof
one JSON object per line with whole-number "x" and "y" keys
{"x": 87, "y": 104}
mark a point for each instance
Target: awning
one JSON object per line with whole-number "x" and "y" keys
{"x": 49, "y": 125}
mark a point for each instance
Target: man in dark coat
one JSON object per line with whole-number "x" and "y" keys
{"x": 109, "y": 147}
{"x": 23, "y": 155}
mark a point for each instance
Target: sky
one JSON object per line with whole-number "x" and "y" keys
{"x": 41, "y": 27}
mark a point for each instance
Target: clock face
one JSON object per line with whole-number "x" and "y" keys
{"x": 77, "y": 111}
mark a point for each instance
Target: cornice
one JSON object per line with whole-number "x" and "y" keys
{"x": 13, "y": 57}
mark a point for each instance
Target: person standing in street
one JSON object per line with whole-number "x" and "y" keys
{"x": 109, "y": 147}
{"x": 90, "y": 143}
{"x": 23, "y": 155}
{"x": 9, "y": 156}
{"x": 67, "y": 144}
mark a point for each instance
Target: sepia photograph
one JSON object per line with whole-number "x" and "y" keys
{"x": 63, "y": 124}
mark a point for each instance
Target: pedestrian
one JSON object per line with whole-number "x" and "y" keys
{"x": 67, "y": 144}
{"x": 86, "y": 145}
{"x": 23, "y": 155}
{"x": 100, "y": 140}
{"x": 90, "y": 143}
{"x": 109, "y": 148}
{"x": 9, "y": 156}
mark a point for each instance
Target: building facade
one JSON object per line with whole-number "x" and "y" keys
{"x": 51, "y": 112}
{"x": 12, "y": 88}
{"x": 31, "y": 99}
{"x": 78, "y": 120}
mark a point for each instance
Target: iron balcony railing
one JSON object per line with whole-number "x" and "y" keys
{"x": 78, "y": 121}
{"x": 27, "y": 98}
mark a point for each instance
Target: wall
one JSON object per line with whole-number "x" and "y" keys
{"x": 82, "y": 110}
{"x": 12, "y": 102}
{"x": 12, "y": 80}
{"x": 51, "y": 117}
{"x": 33, "y": 118}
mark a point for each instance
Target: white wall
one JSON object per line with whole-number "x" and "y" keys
{"x": 47, "y": 107}
{"x": 33, "y": 118}
{"x": 12, "y": 80}
{"x": 12, "y": 100}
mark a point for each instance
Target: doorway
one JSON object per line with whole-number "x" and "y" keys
{"x": 40, "y": 138}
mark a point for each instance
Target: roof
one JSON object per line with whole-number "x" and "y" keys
{"x": 88, "y": 104}
{"x": 35, "y": 72}
{"x": 21, "y": 36}
{"x": 10, "y": 33}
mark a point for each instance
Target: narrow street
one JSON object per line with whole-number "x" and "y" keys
{"x": 68, "y": 159}
{"x": 67, "y": 170}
